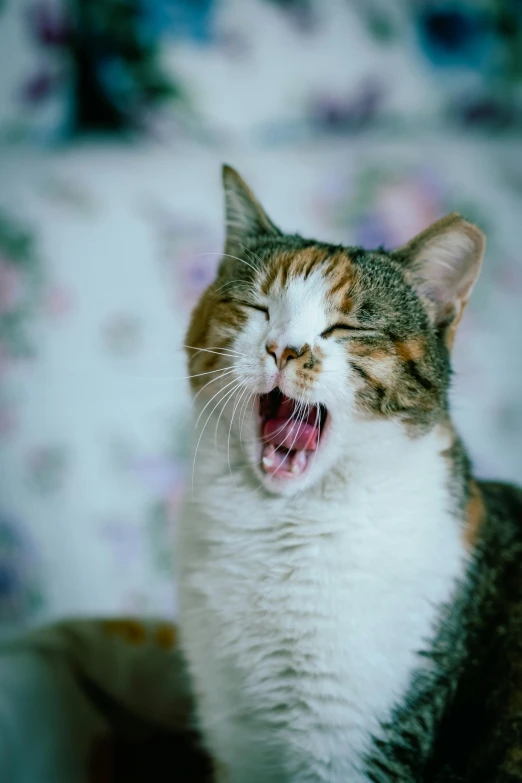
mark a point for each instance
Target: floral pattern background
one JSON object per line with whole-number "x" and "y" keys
{"x": 292, "y": 68}
{"x": 354, "y": 122}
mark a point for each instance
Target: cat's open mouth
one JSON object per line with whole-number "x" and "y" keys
{"x": 290, "y": 434}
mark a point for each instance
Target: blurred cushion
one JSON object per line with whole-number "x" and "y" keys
{"x": 115, "y": 700}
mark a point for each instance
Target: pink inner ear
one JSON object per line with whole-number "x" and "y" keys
{"x": 450, "y": 266}
{"x": 431, "y": 292}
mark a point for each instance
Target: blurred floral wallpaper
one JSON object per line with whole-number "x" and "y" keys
{"x": 355, "y": 121}
{"x": 152, "y": 65}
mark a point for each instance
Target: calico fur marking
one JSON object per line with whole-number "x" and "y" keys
{"x": 475, "y": 515}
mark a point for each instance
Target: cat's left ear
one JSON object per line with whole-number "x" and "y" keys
{"x": 246, "y": 218}
{"x": 442, "y": 263}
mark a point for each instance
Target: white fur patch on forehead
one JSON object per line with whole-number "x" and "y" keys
{"x": 299, "y": 309}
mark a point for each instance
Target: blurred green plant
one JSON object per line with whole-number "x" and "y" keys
{"x": 117, "y": 69}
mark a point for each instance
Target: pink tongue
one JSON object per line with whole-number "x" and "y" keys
{"x": 291, "y": 434}
{"x": 288, "y": 442}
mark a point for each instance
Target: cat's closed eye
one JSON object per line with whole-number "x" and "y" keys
{"x": 341, "y": 327}
{"x": 249, "y": 305}
{"x": 257, "y": 307}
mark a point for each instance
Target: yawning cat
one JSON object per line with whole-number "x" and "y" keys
{"x": 349, "y": 594}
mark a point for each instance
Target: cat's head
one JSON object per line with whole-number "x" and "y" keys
{"x": 311, "y": 351}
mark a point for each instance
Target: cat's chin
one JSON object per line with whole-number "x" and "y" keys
{"x": 291, "y": 438}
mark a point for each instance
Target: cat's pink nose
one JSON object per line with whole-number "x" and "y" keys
{"x": 282, "y": 355}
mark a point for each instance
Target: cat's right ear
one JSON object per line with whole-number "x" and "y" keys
{"x": 442, "y": 263}
{"x": 245, "y": 217}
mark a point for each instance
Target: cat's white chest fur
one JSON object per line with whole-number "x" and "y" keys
{"x": 302, "y": 617}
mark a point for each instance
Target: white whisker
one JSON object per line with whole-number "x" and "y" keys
{"x": 240, "y": 396}
{"x": 248, "y": 400}
{"x": 214, "y": 253}
{"x": 220, "y": 352}
{"x": 216, "y": 428}
{"x": 241, "y": 284}
{"x": 212, "y": 380}
{"x": 251, "y": 253}
{"x": 215, "y": 395}
{"x": 223, "y": 400}
{"x": 212, "y": 372}
{"x": 316, "y": 425}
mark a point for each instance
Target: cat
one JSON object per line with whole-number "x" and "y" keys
{"x": 350, "y": 596}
